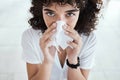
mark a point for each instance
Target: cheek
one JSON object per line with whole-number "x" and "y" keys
{"x": 47, "y": 20}
{"x": 72, "y": 22}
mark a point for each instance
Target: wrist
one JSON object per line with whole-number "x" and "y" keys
{"x": 48, "y": 62}
{"x": 47, "y": 65}
{"x": 73, "y": 60}
{"x": 73, "y": 64}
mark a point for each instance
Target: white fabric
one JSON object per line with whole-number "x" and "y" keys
{"x": 57, "y": 41}
{"x": 32, "y": 53}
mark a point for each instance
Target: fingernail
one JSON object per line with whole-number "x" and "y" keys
{"x": 53, "y": 30}
{"x": 54, "y": 24}
{"x": 50, "y": 39}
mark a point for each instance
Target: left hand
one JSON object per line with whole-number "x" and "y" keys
{"x": 76, "y": 44}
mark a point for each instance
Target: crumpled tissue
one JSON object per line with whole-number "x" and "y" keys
{"x": 60, "y": 38}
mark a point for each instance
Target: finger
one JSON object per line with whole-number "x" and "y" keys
{"x": 50, "y": 31}
{"x": 47, "y": 42}
{"x": 52, "y": 27}
{"x": 60, "y": 50}
{"x": 75, "y": 37}
{"x": 69, "y": 29}
{"x": 49, "y": 35}
{"x": 44, "y": 42}
{"x": 72, "y": 44}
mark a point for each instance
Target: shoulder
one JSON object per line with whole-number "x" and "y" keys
{"x": 30, "y": 45}
{"x": 30, "y": 37}
{"x": 87, "y": 51}
{"x": 89, "y": 39}
{"x": 88, "y": 43}
{"x": 31, "y": 33}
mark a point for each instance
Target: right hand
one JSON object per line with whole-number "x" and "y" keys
{"x": 48, "y": 51}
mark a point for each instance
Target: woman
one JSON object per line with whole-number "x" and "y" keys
{"x": 46, "y": 62}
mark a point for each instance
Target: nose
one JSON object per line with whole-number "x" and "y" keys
{"x": 60, "y": 18}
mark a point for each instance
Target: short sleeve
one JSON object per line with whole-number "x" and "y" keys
{"x": 31, "y": 53}
{"x": 87, "y": 53}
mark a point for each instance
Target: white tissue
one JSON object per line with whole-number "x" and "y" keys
{"x": 60, "y": 38}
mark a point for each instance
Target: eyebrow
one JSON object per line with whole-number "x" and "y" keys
{"x": 49, "y": 10}
{"x": 73, "y": 10}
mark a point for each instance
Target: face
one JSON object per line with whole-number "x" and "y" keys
{"x": 66, "y": 13}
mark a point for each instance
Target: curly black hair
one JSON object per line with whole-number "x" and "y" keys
{"x": 88, "y": 17}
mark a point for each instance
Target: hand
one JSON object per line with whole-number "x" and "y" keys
{"x": 48, "y": 51}
{"x": 76, "y": 44}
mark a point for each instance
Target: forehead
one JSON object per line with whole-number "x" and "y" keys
{"x": 56, "y": 6}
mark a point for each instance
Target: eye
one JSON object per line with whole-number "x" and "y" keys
{"x": 70, "y": 14}
{"x": 50, "y": 14}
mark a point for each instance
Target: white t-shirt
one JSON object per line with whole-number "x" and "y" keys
{"x": 32, "y": 53}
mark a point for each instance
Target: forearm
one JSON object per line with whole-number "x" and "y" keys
{"x": 75, "y": 74}
{"x": 43, "y": 73}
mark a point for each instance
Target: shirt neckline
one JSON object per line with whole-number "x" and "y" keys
{"x": 58, "y": 62}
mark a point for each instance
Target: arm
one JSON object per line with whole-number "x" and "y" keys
{"x": 39, "y": 71}
{"x": 43, "y": 71}
{"x": 72, "y": 53}
{"x": 77, "y": 74}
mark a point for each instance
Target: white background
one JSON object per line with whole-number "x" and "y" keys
{"x": 14, "y": 15}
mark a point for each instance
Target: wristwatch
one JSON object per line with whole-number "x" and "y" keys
{"x": 74, "y": 66}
